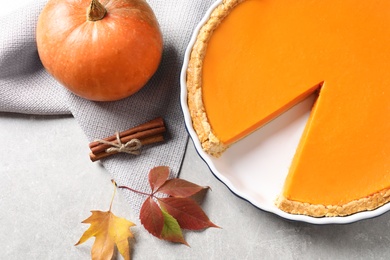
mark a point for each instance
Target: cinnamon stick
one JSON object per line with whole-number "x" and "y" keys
{"x": 148, "y": 140}
{"x": 147, "y": 133}
{"x": 155, "y": 123}
{"x": 147, "y": 129}
{"x": 140, "y": 135}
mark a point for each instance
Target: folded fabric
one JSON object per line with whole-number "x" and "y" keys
{"x": 25, "y": 87}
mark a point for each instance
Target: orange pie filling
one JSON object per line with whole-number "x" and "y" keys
{"x": 255, "y": 59}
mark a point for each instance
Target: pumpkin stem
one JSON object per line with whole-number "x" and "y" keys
{"x": 95, "y": 11}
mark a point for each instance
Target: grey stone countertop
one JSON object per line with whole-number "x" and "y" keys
{"x": 48, "y": 186}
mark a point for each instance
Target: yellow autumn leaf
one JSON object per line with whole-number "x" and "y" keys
{"x": 108, "y": 230}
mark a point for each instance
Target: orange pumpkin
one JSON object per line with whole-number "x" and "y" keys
{"x": 100, "y": 51}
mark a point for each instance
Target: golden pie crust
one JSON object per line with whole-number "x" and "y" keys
{"x": 316, "y": 210}
{"x": 209, "y": 141}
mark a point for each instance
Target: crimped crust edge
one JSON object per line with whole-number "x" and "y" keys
{"x": 368, "y": 203}
{"x": 209, "y": 141}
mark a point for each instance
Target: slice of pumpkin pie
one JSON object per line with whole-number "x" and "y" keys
{"x": 254, "y": 59}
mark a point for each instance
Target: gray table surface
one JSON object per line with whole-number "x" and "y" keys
{"x": 48, "y": 186}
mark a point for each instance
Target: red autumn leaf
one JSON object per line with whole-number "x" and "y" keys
{"x": 171, "y": 230}
{"x": 200, "y": 195}
{"x": 180, "y": 210}
{"x": 180, "y": 188}
{"x": 187, "y": 212}
{"x": 158, "y": 176}
{"x": 151, "y": 217}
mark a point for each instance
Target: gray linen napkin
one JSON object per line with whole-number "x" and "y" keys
{"x": 25, "y": 87}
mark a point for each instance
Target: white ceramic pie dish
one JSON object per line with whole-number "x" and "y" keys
{"x": 255, "y": 167}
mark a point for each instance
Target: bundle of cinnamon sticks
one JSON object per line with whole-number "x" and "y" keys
{"x": 147, "y": 133}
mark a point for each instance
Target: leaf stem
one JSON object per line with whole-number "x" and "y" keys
{"x": 136, "y": 191}
{"x": 113, "y": 195}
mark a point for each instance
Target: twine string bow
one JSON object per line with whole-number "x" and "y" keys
{"x": 131, "y": 147}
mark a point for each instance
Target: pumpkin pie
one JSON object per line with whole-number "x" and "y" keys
{"x": 254, "y": 59}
